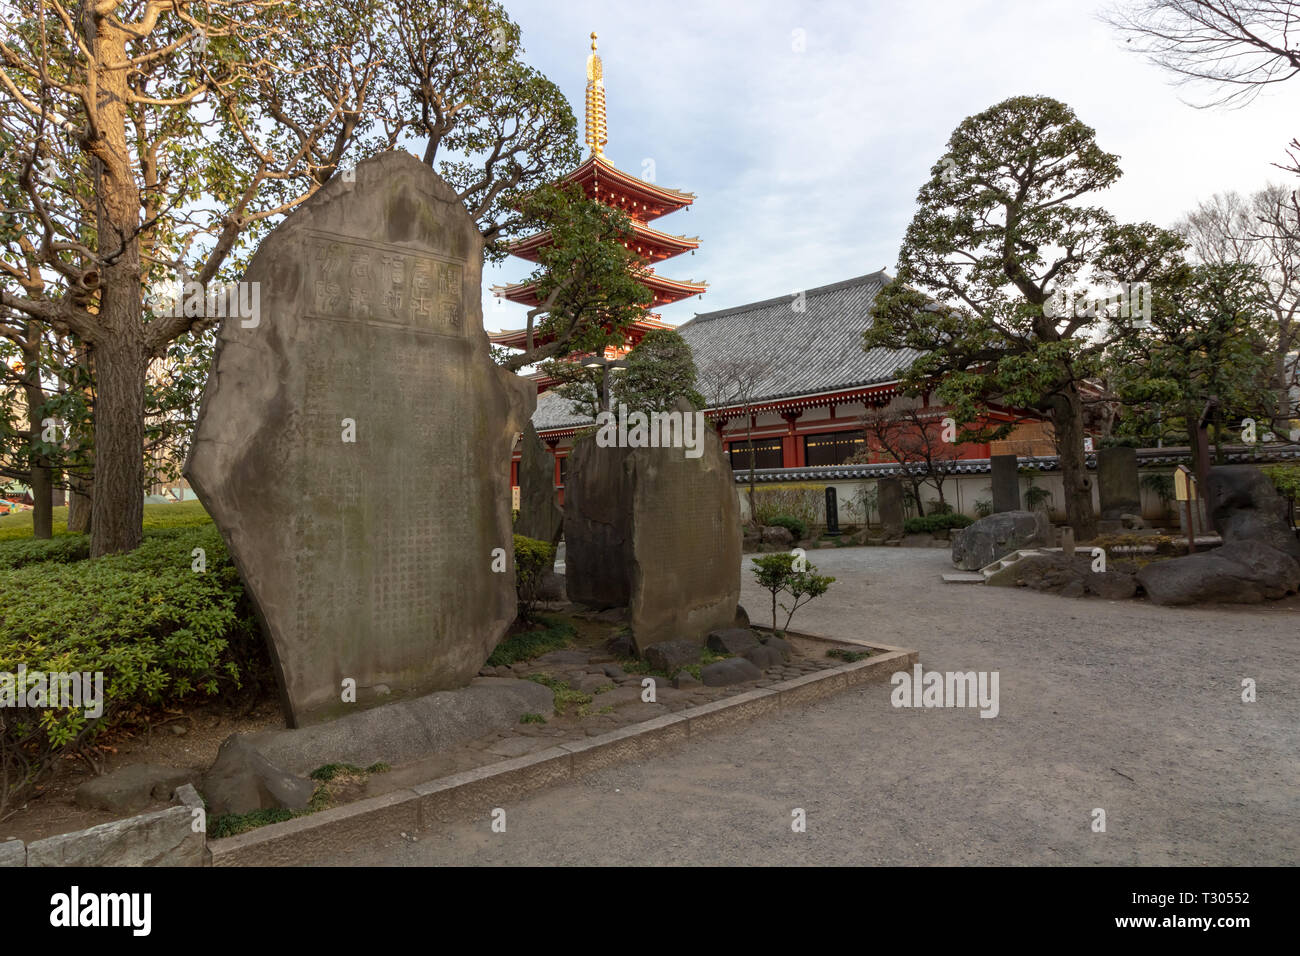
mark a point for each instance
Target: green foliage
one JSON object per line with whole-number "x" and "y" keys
{"x": 777, "y": 573}
{"x": 532, "y": 719}
{"x": 999, "y": 231}
{"x": 158, "y": 631}
{"x": 529, "y": 644}
{"x": 849, "y": 657}
{"x": 1210, "y": 335}
{"x": 1286, "y": 479}
{"x": 565, "y": 696}
{"x": 1036, "y": 498}
{"x": 585, "y": 278}
{"x": 659, "y": 371}
{"x": 803, "y": 502}
{"x": 931, "y": 523}
{"x": 533, "y": 559}
{"x": 796, "y": 527}
{"x": 984, "y": 507}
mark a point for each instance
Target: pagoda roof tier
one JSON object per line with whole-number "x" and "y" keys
{"x": 641, "y": 200}
{"x": 518, "y": 339}
{"x": 665, "y": 291}
{"x": 649, "y": 244}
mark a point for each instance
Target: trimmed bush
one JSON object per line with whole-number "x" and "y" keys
{"x": 156, "y": 629}
{"x": 533, "y": 559}
{"x": 792, "y": 524}
{"x": 929, "y": 524}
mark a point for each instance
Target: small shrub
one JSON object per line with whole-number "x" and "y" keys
{"x": 532, "y": 719}
{"x": 792, "y": 524}
{"x": 929, "y": 524}
{"x": 849, "y": 657}
{"x": 533, "y": 559}
{"x": 777, "y": 573}
{"x": 984, "y": 507}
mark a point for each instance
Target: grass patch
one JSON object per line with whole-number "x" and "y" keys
{"x": 230, "y": 824}
{"x": 555, "y": 635}
{"x": 532, "y": 719}
{"x": 182, "y": 514}
{"x": 565, "y": 696}
{"x": 849, "y": 657}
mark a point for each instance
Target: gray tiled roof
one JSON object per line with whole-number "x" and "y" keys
{"x": 556, "y": 412}
{"x": 800, "y": 353}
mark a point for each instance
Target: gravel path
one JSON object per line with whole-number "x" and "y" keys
{"x": 1123, "y": 706}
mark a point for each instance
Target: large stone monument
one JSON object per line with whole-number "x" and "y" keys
{"x": 890, "y": 504}
{"x": 540, "y": 516}
{"x": 354, "y": 444}
{"x": 656, "y": 531}
{"x": 1117, "y": 483}
{"x": 1006, "y": 483}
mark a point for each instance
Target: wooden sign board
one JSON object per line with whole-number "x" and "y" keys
{"x": 1184, "y": 487}
{"x": 514, "y": 497}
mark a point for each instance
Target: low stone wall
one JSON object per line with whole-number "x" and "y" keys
{"x": 171, "y": 837}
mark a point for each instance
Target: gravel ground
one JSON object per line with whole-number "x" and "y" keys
{"x": 1123, "y": 706}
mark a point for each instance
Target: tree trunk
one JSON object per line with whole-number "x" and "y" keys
{"x": 41, "y": 484}
{"x": 117, "y": 507}
{"x": 120, "y": 349}
{"x": 79, "y": 503}
{"x": 1067, "y": 421}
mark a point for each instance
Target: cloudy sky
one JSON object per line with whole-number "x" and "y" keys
{"x": 806, "y": 162}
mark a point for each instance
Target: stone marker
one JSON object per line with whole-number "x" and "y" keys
{"x": 354, "y": 441}
{"x": 656, "y": 531}
{"x": 1117, "y": 483}
{"x": 890, "y": 503}
{"x": 540, "y": 516}
{"x": 1006, "y": 483}
{"x": 994, "y": 537}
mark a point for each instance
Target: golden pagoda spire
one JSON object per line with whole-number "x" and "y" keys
{"x": 597, "y": 134}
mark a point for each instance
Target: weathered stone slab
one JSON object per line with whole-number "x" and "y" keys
{"x": 353, "y": 444}
{"x": 131, "y": 788}
{"x": 996, "y": 536}
{"x": 658, "y": 531}
{"x": 1117, "y": 483}
{"x": 1245, "y": 506}
{"x": 164, "y": 838}
{"x": 13, "y": 853}
{"x": 408, "y": 730}
{"x": 1242, "y": 572}
{"x": 1006, "y": 483}
{"x": 890, "y": 504}
{"x": 540, "y": 516}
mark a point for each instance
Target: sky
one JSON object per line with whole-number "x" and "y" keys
{"x": 805, "y": 129}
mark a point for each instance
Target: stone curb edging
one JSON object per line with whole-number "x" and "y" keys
{"x": 298, "y": 841}
{"x": 160, "y": 838}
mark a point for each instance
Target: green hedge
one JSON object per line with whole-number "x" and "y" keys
{"x": 795, "y": 526}
{"x": 929, "y": 524}
{"x": 155, "y": 628}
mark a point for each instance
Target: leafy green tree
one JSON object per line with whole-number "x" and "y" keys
{"x": 585, "y": 280}
{"x": 148, "y": 142}
{"x": 999, "y": 235}
{"x": 659, "y": 370}
{"x": 1210, "y": 336}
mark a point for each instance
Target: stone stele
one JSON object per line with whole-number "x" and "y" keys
{"x": 354, "y": 441}
{"x": 540, "y": 516}
{"x": 657, "y": 532}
